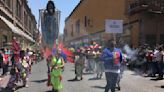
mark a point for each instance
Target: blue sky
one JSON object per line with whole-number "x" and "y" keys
{"x": 65, "y": 6}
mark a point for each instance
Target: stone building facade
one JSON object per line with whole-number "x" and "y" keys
{"x": 16, "y": 19}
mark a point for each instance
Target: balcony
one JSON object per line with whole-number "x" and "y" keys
{"x": 156, "y": 6}
{"x": 137, "y": 6}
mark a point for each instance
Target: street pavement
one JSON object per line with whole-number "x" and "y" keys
{"x": 131, "y": 82}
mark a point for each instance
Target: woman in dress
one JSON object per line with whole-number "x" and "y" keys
{"x": 57, "y": 63}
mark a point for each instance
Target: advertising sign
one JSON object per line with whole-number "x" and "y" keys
{"x": 113, "y": 26}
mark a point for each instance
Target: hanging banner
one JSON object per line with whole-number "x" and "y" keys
{"x": 113, "y": 26}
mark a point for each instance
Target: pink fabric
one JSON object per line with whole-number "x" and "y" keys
{"x": 47, "y": 52}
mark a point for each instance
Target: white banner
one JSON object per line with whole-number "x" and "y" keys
{"x": 113, "y": 26}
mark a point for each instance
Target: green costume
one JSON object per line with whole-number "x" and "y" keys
{"x": 56, "y": 74}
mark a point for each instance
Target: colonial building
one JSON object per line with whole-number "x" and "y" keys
{"x": 16, "y": 19}
{"x": 149, "y": 14}
{"x": 87, "y": 22}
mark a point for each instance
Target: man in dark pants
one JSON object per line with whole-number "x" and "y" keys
{"x": 12, "y": 59}
{"x": 160, "y": 64}
{"x": 5, "y": 62}
{"x": 1, "y": 59}
{"x": 112, "y": 60}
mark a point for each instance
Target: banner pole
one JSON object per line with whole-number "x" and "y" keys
{"x": 114, "y": 38}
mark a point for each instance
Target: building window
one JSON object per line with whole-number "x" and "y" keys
{"x": 151, "y": 39}
{"x": 72, "y": 30}
{"x": 25, "y": 19}
{"x": 18, "y": 9}
{"x": 78, "y": 26}
{"x": 29, "y": 25}
{"x": 32, "y": 28}
{"x": 8, "y": 2}
{"x": 4, "y": 41}
{"x": 65, "y": 32}
{"x": 85, "y": 21}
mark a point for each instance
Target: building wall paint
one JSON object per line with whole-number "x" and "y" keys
{"x": 11, "y": 13}
{"x": 96, "y": 11}
{"x": 99, "y": 10}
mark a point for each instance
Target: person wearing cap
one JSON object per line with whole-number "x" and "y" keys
{"x": 57, "y": 63}
{"x": 112, "y": 58}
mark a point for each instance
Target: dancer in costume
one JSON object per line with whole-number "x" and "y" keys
{"x": 57, "y": 63}
{"x": 25, "y": 71}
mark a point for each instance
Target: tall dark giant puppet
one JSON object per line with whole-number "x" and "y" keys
{"x": 50, "y": 18}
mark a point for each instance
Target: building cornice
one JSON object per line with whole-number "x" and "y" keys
{"x": 74, "y": 9}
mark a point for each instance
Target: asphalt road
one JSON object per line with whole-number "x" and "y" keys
{"x": 131, "y": 82}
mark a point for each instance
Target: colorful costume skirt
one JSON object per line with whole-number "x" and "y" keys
{"x": 55, "y": 77}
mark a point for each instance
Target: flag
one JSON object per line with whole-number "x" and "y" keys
{"x": 69, "y": 55}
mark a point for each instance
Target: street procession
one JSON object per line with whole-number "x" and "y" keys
{"x": 81, "y": 46}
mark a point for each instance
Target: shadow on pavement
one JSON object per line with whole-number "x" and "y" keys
{"x": 94, "y": 78}
{"x": 40, "y": 81}
{"x": 156, "y": 79}
{"x": 88, "y": 73}
{"x": 5, "y": 90}
{"x": 162, "y": 86}
{"x": 49, "y": 91}
{"x": 19, "y": 87}
{"x": 99, "y": 87}
{"x": 72, "y": 80}
{"x": 136, "y": 73}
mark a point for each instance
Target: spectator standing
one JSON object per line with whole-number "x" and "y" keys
{"x": 1, "y": 59}
{"x": 5, "y": 62}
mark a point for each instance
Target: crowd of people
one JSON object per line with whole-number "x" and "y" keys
{"x": 17, "y": 63}
{"x": 97, "y": 59}
{"x": 149, "y": 61}
{"x": 112, "y": 60}
{"x": 94, "y": 58}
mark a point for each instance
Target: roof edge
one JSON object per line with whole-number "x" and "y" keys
{"x": 74, "y": 9}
